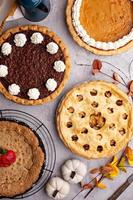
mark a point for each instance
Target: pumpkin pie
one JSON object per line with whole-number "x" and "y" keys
{"x": 24, "y": 172}
{"x": 102, "y": 27}
{"x": 94, "y": 119}
{"x": 34, "y": 65}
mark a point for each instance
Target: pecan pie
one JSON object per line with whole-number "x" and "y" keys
{"x": 34, "y": 65}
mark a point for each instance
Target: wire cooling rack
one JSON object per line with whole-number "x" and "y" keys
{"x": 46, "y": 143}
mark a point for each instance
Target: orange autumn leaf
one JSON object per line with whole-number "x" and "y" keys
{"x": 122, "y": 164}
{"x": 87, "y": 186}
{"x": 115, "y": 170}
{"x": 114, "y": 173}
{"x": 94, "y": 171}
{"x": 106, "y": 169}
{"x": 99, "y": 184}
{"x": 129, "y": 153}
{"x": 130, "y": 87}
{"x": 96, "y": 66}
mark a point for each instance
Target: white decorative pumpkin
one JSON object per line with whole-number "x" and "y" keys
{"x": 73, "y": 171}
{"x": 57, "y": 188}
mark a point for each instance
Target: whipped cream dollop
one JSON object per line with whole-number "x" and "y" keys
{"x": 52, "y": 48}
{"x": 37, "y": 38}
{"x": 3, "y": 70}
{"x": 33, "y": 93}
{"x": 51, "y": 84}
{"x": 59, "y": 66}
{"x": 20, "y": 39}
{"x": 14, "y": 89}
{"x": 6, "y": 49}
{"x": 91, "y": 41}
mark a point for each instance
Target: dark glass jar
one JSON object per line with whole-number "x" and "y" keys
{"x": 35, "y": 10}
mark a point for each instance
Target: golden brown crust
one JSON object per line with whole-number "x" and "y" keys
{"x": 56, "y": 93}
{"x": 28, "y": 163}
{"x": 82, "y": 43}
{"x": 62, "y": 117}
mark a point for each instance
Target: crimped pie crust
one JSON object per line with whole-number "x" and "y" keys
{"x": 74, "y": 123}
{"x": 21, "y": 175}
{"x": 46, "y": 31}
{"x": 75, "y": 36}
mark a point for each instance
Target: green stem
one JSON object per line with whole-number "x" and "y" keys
{"x": 3, "y": 151}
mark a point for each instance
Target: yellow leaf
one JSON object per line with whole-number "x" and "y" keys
{"x": 114, "y": 173}
{"x": 115, "y": 170}
{"x": 130, "y": 162}
{"x": 122, "y": 164}
{"x": 100, "y": 184}
{"x": 108, "y": 177}
{"x": 114, "y": 161}
{"x": 129, "y": 153}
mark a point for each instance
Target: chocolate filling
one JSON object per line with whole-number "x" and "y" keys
{"x": 31, "y": 66}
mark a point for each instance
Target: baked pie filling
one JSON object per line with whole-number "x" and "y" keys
{"x": 32, "y": 65}
{"x": 94, "y": 119}
{"x": 104, "y": 24}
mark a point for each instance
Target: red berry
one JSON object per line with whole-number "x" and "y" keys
{"x": 7, "y": 159}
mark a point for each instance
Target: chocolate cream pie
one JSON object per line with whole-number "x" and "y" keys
{"x": 102, "y": 27}
{"x": 34, "y": 65}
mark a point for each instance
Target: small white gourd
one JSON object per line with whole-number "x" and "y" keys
{"x": 73, "y": 171}
{"x": 57, "y": 188}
